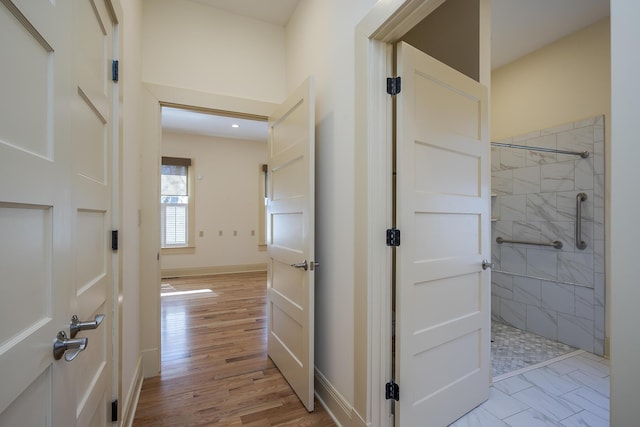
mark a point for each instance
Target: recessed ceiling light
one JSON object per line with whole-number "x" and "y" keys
{"x": 235, "y": 125}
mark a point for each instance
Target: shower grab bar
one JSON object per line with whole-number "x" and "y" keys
{"x": 580, "y": 244}
{"x": 556, "y": 243}
{"x": 583, "y": 154}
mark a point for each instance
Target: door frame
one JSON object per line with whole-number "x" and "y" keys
{"x": 154, "y": 97}
{"x": 376, "y": 33}
{"x": 116, "y": 14}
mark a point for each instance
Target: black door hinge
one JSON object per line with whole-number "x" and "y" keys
{"x": 393, "y": 237}
{"x": 114, "y": 410}
{"x": 393, "y": 85}
{"x": 392, "y": 391}
{"x": 114, "y": 70}
{"x": 114, "y": 240}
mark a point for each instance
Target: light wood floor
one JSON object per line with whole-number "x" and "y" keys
{"x": 215, "y": 368}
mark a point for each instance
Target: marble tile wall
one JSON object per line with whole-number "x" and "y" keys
{"x": 556, "y": 293}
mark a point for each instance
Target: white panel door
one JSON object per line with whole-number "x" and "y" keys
{"x": 55, "y": 189}
{"x": 443, "y": 198}
{"x": 92, "y": 137}
{"x": 290, "y": 240}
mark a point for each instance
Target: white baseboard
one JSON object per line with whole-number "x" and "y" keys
{"x": 334, "y": 403}
{"x": 212, "y": 270}
{"x": 130, "y": 402}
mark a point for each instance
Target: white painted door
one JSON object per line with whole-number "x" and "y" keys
{"x": 290, "y": 240}
{"x": 55, "y": 188}
{"x": 92, "y": 138}
{"x": 443, "y": 198}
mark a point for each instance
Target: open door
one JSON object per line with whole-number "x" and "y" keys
{"x": 443, "y": 198}
{"x": 56, "y": 176}
{"x": 290, "y": 240}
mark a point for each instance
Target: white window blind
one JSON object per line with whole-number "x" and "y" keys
{"x": 175, "y": 224}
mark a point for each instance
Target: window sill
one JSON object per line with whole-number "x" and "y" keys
{"x": 178, "y": 251}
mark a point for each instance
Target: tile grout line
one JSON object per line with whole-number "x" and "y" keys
{"x": 536, "y": 366}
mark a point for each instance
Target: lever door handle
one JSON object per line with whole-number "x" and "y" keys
{"x": 77, "y": 326}
{"x": 303, "y": 265}
{"x": 68, "y": 347}
{"x": 486, "y": 264}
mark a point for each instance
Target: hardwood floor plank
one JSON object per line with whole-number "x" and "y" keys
{"x": 215, "y": 368}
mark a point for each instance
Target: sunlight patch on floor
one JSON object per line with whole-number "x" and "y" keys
{"x": 192, "y": 292}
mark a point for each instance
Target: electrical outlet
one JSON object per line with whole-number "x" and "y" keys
{"x": 253, "y": 232}
{"x": 235, "y": 232}
{"x": 219, "y": 232}
{"x": 201, "y": 234}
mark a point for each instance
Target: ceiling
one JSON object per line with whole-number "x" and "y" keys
{"x": 185, "y": 121}
{"x": 518, "y": 27}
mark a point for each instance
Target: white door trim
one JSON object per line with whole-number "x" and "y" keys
{"x": 116, "y": 14}
{"x": 154, "y": 97}
{"x": 375, "y": 34}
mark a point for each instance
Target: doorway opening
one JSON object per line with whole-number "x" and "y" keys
{"x": 212, "y": 198}
{"x": 550, "y": 134}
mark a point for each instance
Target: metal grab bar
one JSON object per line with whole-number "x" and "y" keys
{"x": 580, "y": 244}
{"x": 583, "y": 154}
{"x": 556, "y": 243}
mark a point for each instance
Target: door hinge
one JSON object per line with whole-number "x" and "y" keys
{"x": 114, "y": 410}
{"x": 393, "y": 237}
{"x": 114, "y": 70}
{"x": 393, "y": 85}
{"x": 392, "y": 391}
{"x": 114, "y": 240}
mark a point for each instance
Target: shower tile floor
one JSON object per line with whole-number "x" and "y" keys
{"x": 513, "y": 349}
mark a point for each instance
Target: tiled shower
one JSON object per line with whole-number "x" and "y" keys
{"x": 556, "y": 293}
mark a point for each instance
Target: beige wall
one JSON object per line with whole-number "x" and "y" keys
{"x": 227, "y": 173}
{"x": 194, "y": 46}
{"x": 563, "y": 82}
{"x": 129, "y": 297}
{"x": 320, "y": 42}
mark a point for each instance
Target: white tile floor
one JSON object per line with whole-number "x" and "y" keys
{"x": 572, "y": 390}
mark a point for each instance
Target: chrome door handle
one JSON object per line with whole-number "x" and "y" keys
{"x": 302, "y": 265}
{"x": 77, "y": 326}
{"x": 70, "y": 348}
{"x": 486, "y": 264}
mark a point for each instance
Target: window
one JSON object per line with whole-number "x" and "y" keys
{"x": 176, "y": 201}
